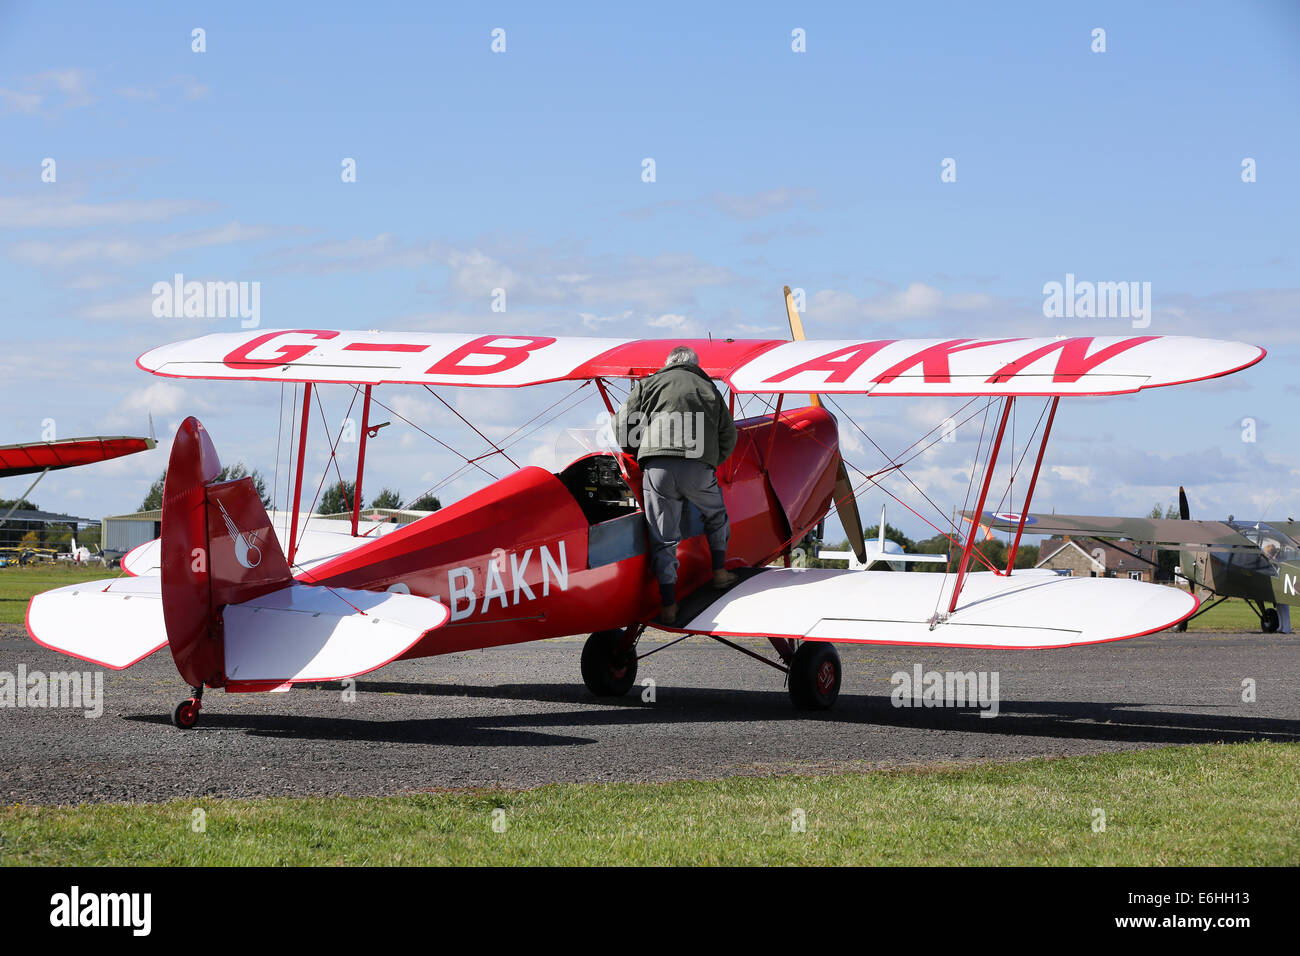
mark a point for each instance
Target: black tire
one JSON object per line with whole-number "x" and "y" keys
{"x": 815, "y": 673}
{"x": 1269, "y": 622}
{"x": 607, "y": 669}
{"x": 1180, "y": 627}
{"x": 186, "y": 714}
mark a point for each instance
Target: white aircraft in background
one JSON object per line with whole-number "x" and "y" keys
{"x": 882, "y": 551}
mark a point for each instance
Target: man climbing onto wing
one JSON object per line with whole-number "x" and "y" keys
{"x": 678, "y": 426}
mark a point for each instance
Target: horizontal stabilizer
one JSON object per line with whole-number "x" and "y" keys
{"x": 1029, "y": 609}
{"x": 309, "y": 633}
{"x": 113, "y": 623}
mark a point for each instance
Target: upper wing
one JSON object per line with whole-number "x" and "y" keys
{"x": 32, "y": 457}
{"x": 1089, "y": 365}
{"x": 1028, "y": 610}
{"x": 429, "y": 358}
{"x": 1028, "y": 366}
{"x": 1166, "y": 532}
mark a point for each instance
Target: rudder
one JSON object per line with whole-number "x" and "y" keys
{"x": 218, "y": 548}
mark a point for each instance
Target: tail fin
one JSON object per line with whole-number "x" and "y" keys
{"x": 218, "y": 548}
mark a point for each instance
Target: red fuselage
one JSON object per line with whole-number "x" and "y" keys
{"x": 538, "y": 555}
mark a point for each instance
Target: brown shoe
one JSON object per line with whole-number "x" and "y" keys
{"x": 724, "y": 579}
{"x": 668, "y": 616}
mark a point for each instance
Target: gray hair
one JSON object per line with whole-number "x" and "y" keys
{"x": 682, "y": 355}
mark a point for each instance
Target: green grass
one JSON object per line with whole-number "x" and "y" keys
{"x": 1233, "y": 614}
{"x": 18, "y": 584}
{"x": 1213, "y": 804}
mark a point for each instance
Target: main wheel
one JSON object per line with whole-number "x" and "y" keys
{"x": 186, "y": 714}
{"x": 1269, "y": 621}
{"x": 815, "y": 673}
{"x": 607, "y": 669}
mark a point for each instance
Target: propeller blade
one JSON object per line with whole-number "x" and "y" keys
{"x": 846, "y": 506}
{"x": 1184, "y": 511}
{"x": 796, "y": 333}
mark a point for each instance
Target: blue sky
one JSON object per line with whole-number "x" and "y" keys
{"x": 522, "y": 170}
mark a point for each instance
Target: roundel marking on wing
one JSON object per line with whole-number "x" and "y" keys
{"x": 1013, "y": 516}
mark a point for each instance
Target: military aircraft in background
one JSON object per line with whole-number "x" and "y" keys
{"x": 1257, "y": 561}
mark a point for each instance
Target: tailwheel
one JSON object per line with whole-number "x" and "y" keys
{"x": 186, "y": 714}
{"x": 1269, "y": 622}
{"x": 815, "y": 673}
{"x": 609, "y": 663}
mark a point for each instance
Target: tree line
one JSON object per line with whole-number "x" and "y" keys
{"x": 335, "y": 499}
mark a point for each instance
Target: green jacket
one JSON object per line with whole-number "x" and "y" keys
{"x": 678, "y": 412}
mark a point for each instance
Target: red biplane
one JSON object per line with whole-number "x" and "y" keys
{"x": 39, "y": 458}
{"x": 538, "y": 554}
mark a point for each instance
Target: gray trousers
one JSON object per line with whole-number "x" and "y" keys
{"x": 667, "y": 484}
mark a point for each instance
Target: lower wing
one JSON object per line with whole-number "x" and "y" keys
{"x": 1028, "y": 610}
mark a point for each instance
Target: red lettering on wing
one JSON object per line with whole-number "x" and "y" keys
{"x": 934, "y": 360}
{"x": 1073, "y": 363}
{"x": 840, "y": 364}
{"x": 242, "y": 359}
{"x": 508, "y": 356}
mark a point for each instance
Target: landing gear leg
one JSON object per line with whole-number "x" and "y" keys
{"x": 186, "y": 714}
{"x": 609, "y": 662}
{"x": 815, "y": 673}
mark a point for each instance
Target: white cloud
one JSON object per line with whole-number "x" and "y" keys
{"x": 740, "y": 206}
{"x": 56, "y": 212}
{"x": 530, "y": 275}
{"x": 121, "y": 250}
{"x": 159, "y": 399}
{"x": 130, "y": 307}
{"x": 49, "y": 92}
{"x": 915, "y": 301}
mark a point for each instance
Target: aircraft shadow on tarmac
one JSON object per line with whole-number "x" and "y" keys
{"x": 1118, "y": 721}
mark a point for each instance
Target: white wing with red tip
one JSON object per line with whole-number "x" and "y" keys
{"x": 1032, "y": 609}
{"x": 373, "y": 358}
{"x": 298, "y": 633}
{"x": 1100, "y": 365}
{"x": 114, "y": 622}
{"x": 307, "y": 633}
{"x": 1082, "y": 365}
